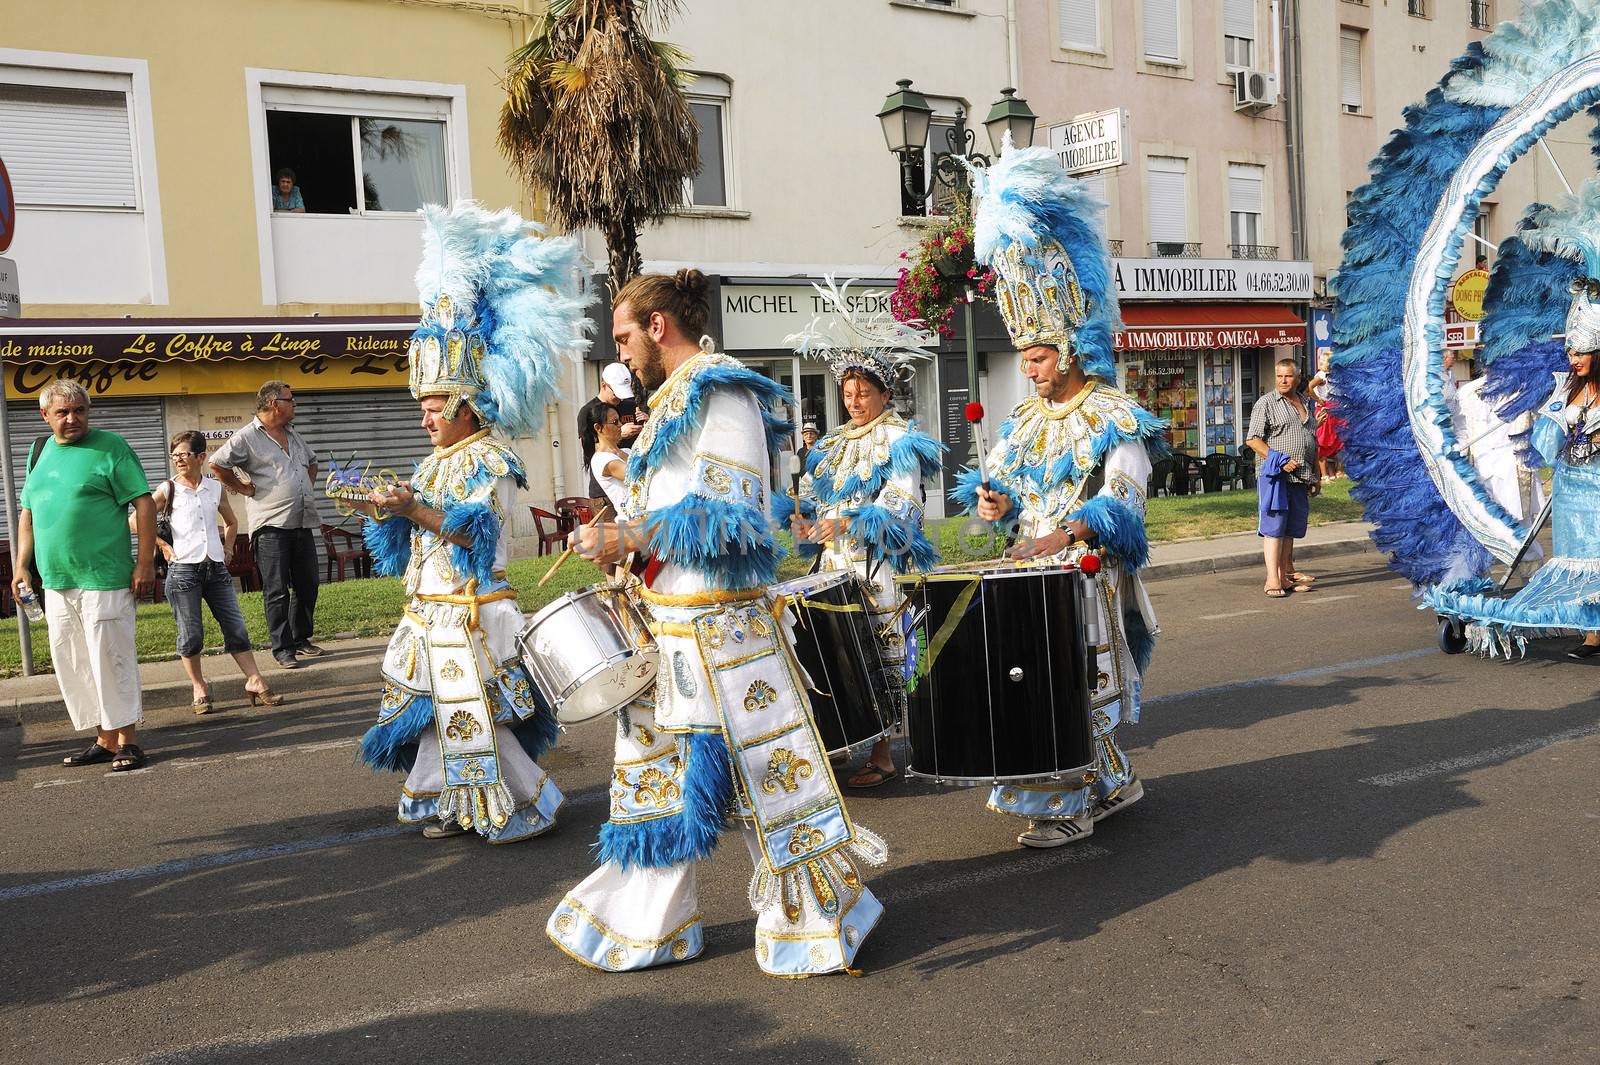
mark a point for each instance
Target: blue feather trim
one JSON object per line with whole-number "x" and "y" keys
{"x": 913, "y": 453}
{"x": 965, "y": 494}
{"x": 899, "y": 540}
{"x": 690, "y": 835}
{"x": 1141, "y": 641}
{"x": 391, "y": 746}
{"x": 1147, "y": 429}
{"x": 1117, "y": 529}
{"x": 731, "y": 543}
{"x": 389, "y": 544}
{"x": 783, "y": 509}
{"x": 1526, "y": 305}
{"x": 768, "y": 393}
{"x": 476, "y": 521}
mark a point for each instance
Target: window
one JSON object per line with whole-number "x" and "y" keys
{"x": 1481, "y": 228}
{"x": 1419, "y": 8}
{"x": 351, "y": 155}
{"x": 1160, "y": 21}
{"x": 1080, "y": 24}
{"x": 1239, "y": 33}
{"x": 708, "y": 102}
{"x": 1481, "y": 18}
{"x": 1350, "y": 70}
{"x": 70, "y": 145}
{"x": 1246, "y": 210}
{"x": 1167, "y": 180}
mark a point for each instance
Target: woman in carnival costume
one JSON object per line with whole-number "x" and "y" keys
{"x": 860, "y": 496}
{"x": 460, "y": 713}
{"x": 1436, "y": 512}
{"x": 1067, "y": 474}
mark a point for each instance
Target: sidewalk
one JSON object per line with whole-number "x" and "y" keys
{"x": 34, "y": 700}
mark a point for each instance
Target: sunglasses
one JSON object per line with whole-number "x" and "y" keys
{"x": 188, "y": 454}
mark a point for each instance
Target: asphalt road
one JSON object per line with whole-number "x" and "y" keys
{"x": 1352, "y": 849}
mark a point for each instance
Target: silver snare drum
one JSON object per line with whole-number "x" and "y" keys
{"x": 590, "y": 653}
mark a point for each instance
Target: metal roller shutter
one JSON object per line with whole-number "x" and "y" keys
{"x": 381, "y": 426}
{"x": 140, "y": 421}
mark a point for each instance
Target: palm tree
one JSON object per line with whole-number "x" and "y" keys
{"x": 595, "y": 118}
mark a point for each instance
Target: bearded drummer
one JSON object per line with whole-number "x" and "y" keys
{"x": 1066, "y": 476}
{"x": 460, "y": 713}
{"x": 726, "y": 733}
{"x": 860, "y": 499}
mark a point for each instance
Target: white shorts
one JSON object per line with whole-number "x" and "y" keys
{"x": 96, "y": 661}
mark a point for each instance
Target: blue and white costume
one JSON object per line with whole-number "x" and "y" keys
{"x": 727, "y": 734}
{"x": 1087, "y": 459}
{"x": 460, "y": 712}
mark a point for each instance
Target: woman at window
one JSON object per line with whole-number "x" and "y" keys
{"x": 197, "y": 569}
{"x": 286, "y": 194}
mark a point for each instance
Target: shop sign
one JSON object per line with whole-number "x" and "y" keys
{"x": 758, "y": 317}
{"x": 1466, "y": 295}
{"x": 1458, "y": 335}
{"x": 1230, "y": 280}
{"x": 1191, "y": 338}
{"x": 1090, "y": 142}
{"x": 158, "y": 377}
{"x": 10, "y": 290}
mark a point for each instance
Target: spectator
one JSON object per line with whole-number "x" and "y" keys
{"x": 286, "y": 194}
{"x": 283, "y": 473}
{"x": 1281, "y": 435}
{"x": 197, "y": 568}
{"x": 608, "y": 467}
{"x": 1329, "y": 443}
{"x": 616, "y": 389}
{"x": 74, "y": 507}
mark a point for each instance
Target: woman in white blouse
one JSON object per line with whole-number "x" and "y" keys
{"x": 610, "y": 461}
{"x": 197, "y": 568}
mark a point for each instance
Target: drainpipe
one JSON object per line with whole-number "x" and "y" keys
{"x": 1013, "y": 60}
{"x": 558, "y": 476}
{"x": 1286, "y": 43}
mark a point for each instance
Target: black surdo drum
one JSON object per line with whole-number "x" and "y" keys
{"x": 1005, "y": 695}
{"x": 834, "y": 641}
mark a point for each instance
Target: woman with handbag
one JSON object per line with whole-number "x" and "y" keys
{"x": 187, "y": 508}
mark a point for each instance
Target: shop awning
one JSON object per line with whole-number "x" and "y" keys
{"x": 115, "y": 341}
{"x": 1166, "y": 327}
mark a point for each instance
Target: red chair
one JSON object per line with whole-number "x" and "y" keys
{"x": 243, "y": 564}
{"x": 553, "y": 538}
{"x": 343, "y": 546}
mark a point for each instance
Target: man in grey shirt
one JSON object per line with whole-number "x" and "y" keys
{"x": 1283, "y": 436}
{"x": 281, "y": 489}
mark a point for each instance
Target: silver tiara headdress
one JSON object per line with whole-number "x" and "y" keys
{"x": 855, "y": 331}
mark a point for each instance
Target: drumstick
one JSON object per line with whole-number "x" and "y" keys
{"x": 551, "y": 572}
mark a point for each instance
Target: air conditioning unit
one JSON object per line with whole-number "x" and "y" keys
{"x": 1254, "y": 90}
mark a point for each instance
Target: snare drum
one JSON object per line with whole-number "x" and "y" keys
{"x": 835, "y": 642}
{"x": 1006, "y": 696}
{"x": 590, "y": 652}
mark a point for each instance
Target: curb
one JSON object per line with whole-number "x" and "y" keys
{"x": 1246, "y": 559}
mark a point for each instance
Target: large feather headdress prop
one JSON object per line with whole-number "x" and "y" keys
{"x": 1571, "y": 229}
{"x": 502, "y": 311}
{"x": 1043, "y": 233}
{"x": 855, "y": 331}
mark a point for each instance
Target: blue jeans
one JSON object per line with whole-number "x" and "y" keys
{"x": 190, "y": 582}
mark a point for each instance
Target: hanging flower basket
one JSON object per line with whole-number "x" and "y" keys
{"x": 934, "y": 281}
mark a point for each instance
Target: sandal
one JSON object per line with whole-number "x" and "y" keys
{"x": 1277, "y": 593}
{"x": 90, "y": 755}
{"x": 1302, "y": 578}
{"x": 871, "y": 776}
{"x": 264, "y": 697}
{"x": 128, "y": 757}
{"x": 1302, "y": 587}
{"x": 203, "y": 705}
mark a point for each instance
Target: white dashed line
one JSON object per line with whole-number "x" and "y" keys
{"x": 1231, "y": 614}
{"x": 1331, "y": 598}
{"x": 1503, "y": 753}
{"x": 59, "y": 782}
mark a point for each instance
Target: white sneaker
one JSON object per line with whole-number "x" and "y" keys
{"x": 1046, "y": 834}
{"x": 442, "y": 830}
{"x": 1131, "y": 793}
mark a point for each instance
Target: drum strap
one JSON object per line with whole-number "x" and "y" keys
{"x": 958, "y": 610}
{"x": 714, "y": 597}
{"x": 470, "y": 599}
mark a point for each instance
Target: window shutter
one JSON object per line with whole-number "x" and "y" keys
{"x": 68, "y": 147}
{"x": 1080, "y": 24}
{"x": 1095, "y": 184}
{"x": 1246, "y": 189}
{"x": 1169, "y": 208}
{"x": 1239, "y": 19}
{"x": 1350, "y": 69}
{"x": 1161, "y": 30}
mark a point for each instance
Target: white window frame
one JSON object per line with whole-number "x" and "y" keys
{"x": 1096, "y": 46}
{"x": 1254, "y": 39}
{"x": 1262, "y": 234}
{"x": 458, "y": 167}
{"x": 1100, "y": 55}
{"x": 714, "y": 89}
{"x": 1165, "y": 64}
{"x": 1149, "y": 154}
{"x": 1352, "y": 33}
{"x": 68, "y": 67}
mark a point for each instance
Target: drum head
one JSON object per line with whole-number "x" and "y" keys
{"x": 590, "y": 653}
{"x": 608, "y": 688}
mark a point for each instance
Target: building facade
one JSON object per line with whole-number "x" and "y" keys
{"x": 155, "y": 263}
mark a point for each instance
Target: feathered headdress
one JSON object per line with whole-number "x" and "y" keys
{"x": 501, "y": 308}
{"x": 1571, "y": 229}
{"x": 1042, "y": 231}
{"x": 857, "y": 332}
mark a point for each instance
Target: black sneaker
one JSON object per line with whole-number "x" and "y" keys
{"x": 1584, "y": 650}
{"x": 288, "y": 661}
{"x": 309, "y": 650}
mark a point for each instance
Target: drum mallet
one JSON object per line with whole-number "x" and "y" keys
{"x": 551, "y": 572}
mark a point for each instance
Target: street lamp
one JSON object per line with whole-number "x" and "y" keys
{"x": 1010, "y": 114}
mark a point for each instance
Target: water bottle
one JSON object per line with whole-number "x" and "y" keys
{"x": 29, "y": 602}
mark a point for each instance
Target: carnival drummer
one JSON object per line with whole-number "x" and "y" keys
{"x": 727, "y": 731}
{"x": 1067, "y": 474}
{"x": 459, "y": 710}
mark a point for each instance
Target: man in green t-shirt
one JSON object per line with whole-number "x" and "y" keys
{"x": 74, "y": 523}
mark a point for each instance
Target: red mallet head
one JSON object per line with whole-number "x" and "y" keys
{"x": 974, "y": 412}
{"x": 1090, "y": 563}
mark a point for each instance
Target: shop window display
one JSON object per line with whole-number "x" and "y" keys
{"x": 1221, "y": 432}
{"x": 1171, "y": 390}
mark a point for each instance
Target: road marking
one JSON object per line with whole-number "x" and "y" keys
{"x": 1503, "y": 753}
{"x": 1230, "y": 614}
{"x": 733, "y": 932}
{"x": 1304, "y": 674}
{"x": 1331, "y": 598}
{"x": 59, "y": 782}
{"x": 273, "y": 752}
{"x": 331, "y": 745}
{"x": 192, "y": 763}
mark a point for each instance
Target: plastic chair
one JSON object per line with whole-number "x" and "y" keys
{"x": 552, "y": 539}
{"x": 343, "y": 546}
{"x": 243, "y": 564}
{"x": 1160, "y": 478}
{"x": 1247, "y": 468}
